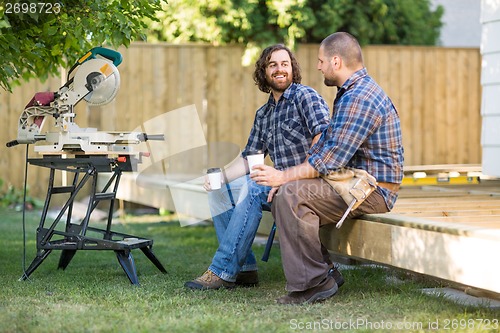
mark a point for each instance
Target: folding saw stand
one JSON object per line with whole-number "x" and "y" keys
{"x": 71, "y": 237}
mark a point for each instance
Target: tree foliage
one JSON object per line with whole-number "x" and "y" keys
{"x": 36, "y": 40}
{"x": 380, "y": 21}
{"x": 36, "y": 43}
{"x": 262, "y": 22}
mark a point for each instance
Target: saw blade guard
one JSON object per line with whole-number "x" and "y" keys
{"x": 97, "y": 71}
{"x": 101, "y": 78}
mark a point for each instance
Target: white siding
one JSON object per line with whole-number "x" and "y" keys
{"x": 490, "y": 80}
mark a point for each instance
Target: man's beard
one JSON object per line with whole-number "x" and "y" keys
{"x": 282, "y": 86}
{"x": 329, "y": 82}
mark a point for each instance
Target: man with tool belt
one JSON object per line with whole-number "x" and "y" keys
{"x": 364, "y": 134}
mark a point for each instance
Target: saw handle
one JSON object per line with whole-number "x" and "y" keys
{"x": 12, "y": 143}
{"x": 109, "y": 54}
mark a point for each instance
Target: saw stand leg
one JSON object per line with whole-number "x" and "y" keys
{"x": 81, "y": 236}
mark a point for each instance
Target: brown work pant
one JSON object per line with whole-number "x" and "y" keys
{"x": 300, "y": 208}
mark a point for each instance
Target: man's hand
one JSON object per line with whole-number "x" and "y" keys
{"x": 267, "y": 176}
{"x": 271, "y": 194}
{"x": 207, "y": 186}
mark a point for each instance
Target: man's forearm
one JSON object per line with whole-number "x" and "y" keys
{"x": 235, "y": 170}
{"x": 301, "y": 171}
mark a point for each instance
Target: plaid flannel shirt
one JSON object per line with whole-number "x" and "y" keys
{"x": 284, "y": 130}
{"x": 364, "y": 133}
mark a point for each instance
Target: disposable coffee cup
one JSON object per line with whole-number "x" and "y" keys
{"x": 254, "y": 159}
{"x": 214, "y": 177}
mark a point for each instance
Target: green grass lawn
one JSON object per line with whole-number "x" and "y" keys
{"x": 94, "y": 295}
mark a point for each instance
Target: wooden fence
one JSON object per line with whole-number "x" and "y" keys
{"x": 436, "y": 90}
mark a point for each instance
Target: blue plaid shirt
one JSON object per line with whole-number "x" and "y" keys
{"x": 285, "y": 130}
{"x": 364, "y": 133}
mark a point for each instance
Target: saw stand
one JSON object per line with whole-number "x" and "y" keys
{"x": 71, "y": 237}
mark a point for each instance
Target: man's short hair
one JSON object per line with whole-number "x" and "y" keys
{"x": 344, "y": 45}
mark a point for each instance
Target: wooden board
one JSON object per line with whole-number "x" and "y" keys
{"x": 451, "y": 234}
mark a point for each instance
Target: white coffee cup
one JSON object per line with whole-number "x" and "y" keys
{"x": 254, "y": 159}
{"x": 215, "y": 178}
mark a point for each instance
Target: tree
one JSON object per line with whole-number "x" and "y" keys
{"x": 263, "y": 22}
{"x": 379, "y": 21}
{"x": 37, "y": 38}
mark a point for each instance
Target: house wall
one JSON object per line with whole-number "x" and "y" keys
{"x": 490, "y": 81}
{"x": 461, "y": 23}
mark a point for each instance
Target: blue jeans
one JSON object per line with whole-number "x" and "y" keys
{"x": 236, "y": 212}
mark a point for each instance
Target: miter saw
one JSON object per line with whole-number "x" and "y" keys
{"x": 94, "y": 78}
{"x": 85, "y": 153}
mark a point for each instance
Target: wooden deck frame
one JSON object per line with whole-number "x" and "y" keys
{"x": 459, "y": 254}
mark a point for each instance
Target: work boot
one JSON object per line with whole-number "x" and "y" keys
{"x": 247, "y": 279}
{"x": 208, "y": 281}
{"x": 335, "y": 273}
{"x": 326, "y": 289}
